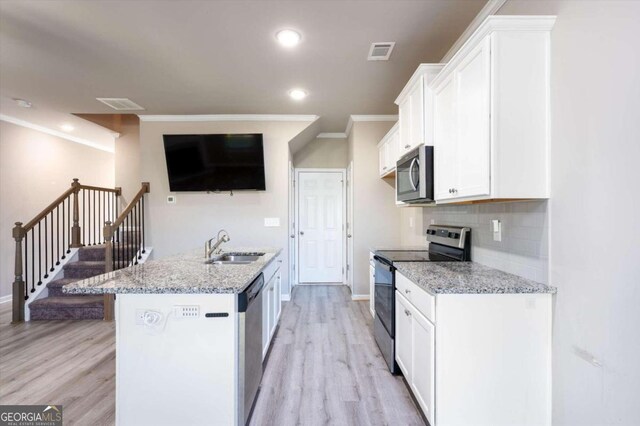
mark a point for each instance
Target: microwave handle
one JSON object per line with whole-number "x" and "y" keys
{"x": 413, "y": 185}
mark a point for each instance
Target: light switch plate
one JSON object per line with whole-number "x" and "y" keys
{"x": 272, "y": 221}
{"x": 171, "y": 199}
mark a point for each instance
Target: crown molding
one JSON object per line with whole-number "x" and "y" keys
{"x": 52, "y": 132}
{"x": 490, "y": 8}
{"x": 228, "y": 117}
{"x": 491, "y": 24}
{"x": 331, "y": 135}
{"x": 354, "y": 118}
{"x": 374, "y": 117}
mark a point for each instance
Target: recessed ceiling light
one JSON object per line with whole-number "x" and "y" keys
{"x": 23, "y": 103}
{"x": 297, "y": 94}
{"x": 67, "y": 127}
{"x": 288, "y": 38}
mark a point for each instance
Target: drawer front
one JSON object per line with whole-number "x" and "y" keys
{"x": 404, "y": 286}
{"x": 423, "y": 301}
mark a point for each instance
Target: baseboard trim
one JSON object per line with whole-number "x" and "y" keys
{"x": 359, "y": 297}
{"x": 6, "y": 299}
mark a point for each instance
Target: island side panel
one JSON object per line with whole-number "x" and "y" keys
{"x": 181, "y": 370}
{"x": 493, "y": 359}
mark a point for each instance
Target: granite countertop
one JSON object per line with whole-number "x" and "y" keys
{"x": 467, "y": 278}
{"x": 182, "y": 273}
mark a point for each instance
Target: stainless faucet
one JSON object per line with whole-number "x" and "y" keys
{"x": 214, "y": 249}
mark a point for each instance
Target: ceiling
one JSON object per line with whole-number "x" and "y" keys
{"x": 221, "y": 57}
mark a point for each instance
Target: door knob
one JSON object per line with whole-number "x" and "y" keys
{"x": 293, "y": 235}
{"x": 301, "y": 232}
{"x": 348, "y": 235}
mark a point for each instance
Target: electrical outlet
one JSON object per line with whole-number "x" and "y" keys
{"x": 271, "y": 221}
{"x": 432, "y": 221}
{"x": 184, "y": 311}
{"x": 496, "y": 225}
{"x": 171, "y": 199}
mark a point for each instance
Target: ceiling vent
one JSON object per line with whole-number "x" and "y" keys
{"x": 121, "y": 104}
{"x": 380, "y": 51}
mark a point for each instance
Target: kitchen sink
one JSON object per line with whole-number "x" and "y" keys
{"x": 235, "y": 258}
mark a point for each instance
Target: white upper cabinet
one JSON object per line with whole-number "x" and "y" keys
{"x": 491, "y": 113}
{"x": 388, "y": 152}
{"x": 415, "y": 104}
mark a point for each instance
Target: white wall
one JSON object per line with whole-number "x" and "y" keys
{"x": 196, "y": 217}
{"x": 376, "y": 219}
{"x": 594, "y": 208}
{"x": 592, "y": 216}
{"x": 35, "y": 168}
{"x": 323, "y": 153}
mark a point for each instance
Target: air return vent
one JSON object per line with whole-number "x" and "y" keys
{"x": 121, "y": 104}
{"x": 380, "y": 51}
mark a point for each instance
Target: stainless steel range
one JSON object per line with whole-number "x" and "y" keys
{"x": 446, "y": 244}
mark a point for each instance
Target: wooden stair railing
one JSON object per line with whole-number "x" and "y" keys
{"x": 73, "y": 220}
{"x": 124, "y": 241}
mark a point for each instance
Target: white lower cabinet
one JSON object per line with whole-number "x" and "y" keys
{"x": 404, "y": 341}
{"x": 423, "y": 336}
{"x": 475, "y": 358}
{"x": 271, "y": 308}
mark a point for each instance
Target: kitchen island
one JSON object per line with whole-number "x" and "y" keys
{"x": 188, "y": 346}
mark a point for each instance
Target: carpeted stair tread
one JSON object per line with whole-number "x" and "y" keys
{"x": 92, "y": 253}
{"x": 85, "y": 264}
{"x": 67, "y": 302}
{"x": 61, "y": 282}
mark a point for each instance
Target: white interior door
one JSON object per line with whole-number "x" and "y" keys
{"x": 320, "y": 226}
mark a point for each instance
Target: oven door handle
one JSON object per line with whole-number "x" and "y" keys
{"x": 383, "y": 263}
{"x": 413, "y": 163}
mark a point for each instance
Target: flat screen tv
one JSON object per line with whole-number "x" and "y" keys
{"x": 221, "y": 162}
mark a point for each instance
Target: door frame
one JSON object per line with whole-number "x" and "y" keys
{"x": 291, "y": 234}
{"x": 349, "y": 225}
{"x": 343, "y": 172}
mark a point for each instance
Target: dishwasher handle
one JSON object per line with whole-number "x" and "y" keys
{"x": 250, "y": 293}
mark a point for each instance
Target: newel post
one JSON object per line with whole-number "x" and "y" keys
{"x": 108, "y": 267}
{"x": 75, "y": 228}
{"x": 18, "y": 282}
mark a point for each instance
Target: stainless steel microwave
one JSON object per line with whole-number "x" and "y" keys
{"x": 414, "y": 176}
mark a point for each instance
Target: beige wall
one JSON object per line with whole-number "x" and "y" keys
{"x": 127, "y": 158}
{"x": 196, "y": 217}
{"x": 376, "y": 219}
{"x": 323, "y": 153}
{"x": 35, "y": 168}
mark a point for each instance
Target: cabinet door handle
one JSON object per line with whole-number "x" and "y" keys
{"x": 407, "y": 313}
{"x": 301, "y": 232}
{"x": 384, "y": 168}
{"x": 407, "y": 146}
{"x": 407, "y": 291}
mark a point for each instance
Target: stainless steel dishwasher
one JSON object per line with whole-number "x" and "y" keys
{"x": 250, "y": 347}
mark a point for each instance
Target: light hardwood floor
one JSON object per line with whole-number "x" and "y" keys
{"x": 324, "y": 367}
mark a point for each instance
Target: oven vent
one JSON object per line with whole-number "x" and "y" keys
{"x": 121, "y": 104}
{"x": 380, "y": 51}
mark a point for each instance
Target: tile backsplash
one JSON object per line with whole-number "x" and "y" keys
{"x": 524, "y": 249}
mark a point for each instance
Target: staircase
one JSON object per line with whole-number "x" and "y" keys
{"x": 83, "y": 233}
{"x": 61, "y": 306}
